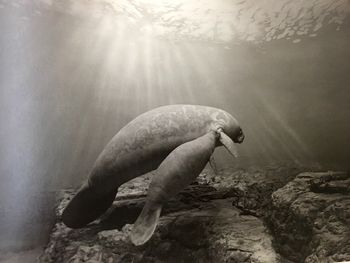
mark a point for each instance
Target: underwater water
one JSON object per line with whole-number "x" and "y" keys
{"x": 73, "y": 74}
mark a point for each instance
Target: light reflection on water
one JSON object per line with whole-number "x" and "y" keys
{"x": 69, "y": 82}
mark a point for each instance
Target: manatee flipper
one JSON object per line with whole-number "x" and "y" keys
{"x": 228, "y": 143}
{"x": 145, "y": 224}
{"x": 86, "y": 206}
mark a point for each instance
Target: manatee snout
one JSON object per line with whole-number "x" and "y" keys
{"x": 240, "y": 137}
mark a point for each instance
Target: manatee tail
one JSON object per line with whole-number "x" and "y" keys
{"x": 86, "y": 206}
{"x": 145, "y": 224}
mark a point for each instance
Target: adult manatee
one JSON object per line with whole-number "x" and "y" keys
{"x": 140, "y": 147}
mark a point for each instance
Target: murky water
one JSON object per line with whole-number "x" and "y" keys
{"x": 72, "y": 75}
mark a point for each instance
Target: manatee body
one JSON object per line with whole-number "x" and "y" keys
{"x": 177, "y": 171}
{"x": 140, "y": 147}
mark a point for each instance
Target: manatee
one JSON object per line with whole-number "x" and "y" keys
{"x": 141, "y": 146}
{"x": 177, "y": 171}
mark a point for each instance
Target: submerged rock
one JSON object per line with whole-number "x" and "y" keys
{"x": 310, "y": 217}
{"x": 201, "y": 224}
{"x": 220, "y": 218}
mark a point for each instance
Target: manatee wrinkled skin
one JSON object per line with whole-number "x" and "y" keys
{"x": 140, "y": 147}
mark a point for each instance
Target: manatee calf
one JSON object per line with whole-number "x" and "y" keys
{"x": 177, "y": 171}
{"x": 143, "y": 144}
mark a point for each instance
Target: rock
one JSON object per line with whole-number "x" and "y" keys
{"x": 201, "y": 224}
{"x": 213, "y": 232}
{"x": 310, "y": 217}
{"x": 251, "y": 189}
{"x": 254, "y": 215}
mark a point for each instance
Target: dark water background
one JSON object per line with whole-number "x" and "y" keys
{"x": 66, "y": 87}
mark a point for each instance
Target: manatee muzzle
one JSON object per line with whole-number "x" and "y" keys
{"x": 240, "y": 137}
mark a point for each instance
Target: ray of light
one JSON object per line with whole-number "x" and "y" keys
{"x": 288, "y": 139}
{"x": 185, "y": 90}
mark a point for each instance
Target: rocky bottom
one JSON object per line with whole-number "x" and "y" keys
{"x": 257, "y": 215}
